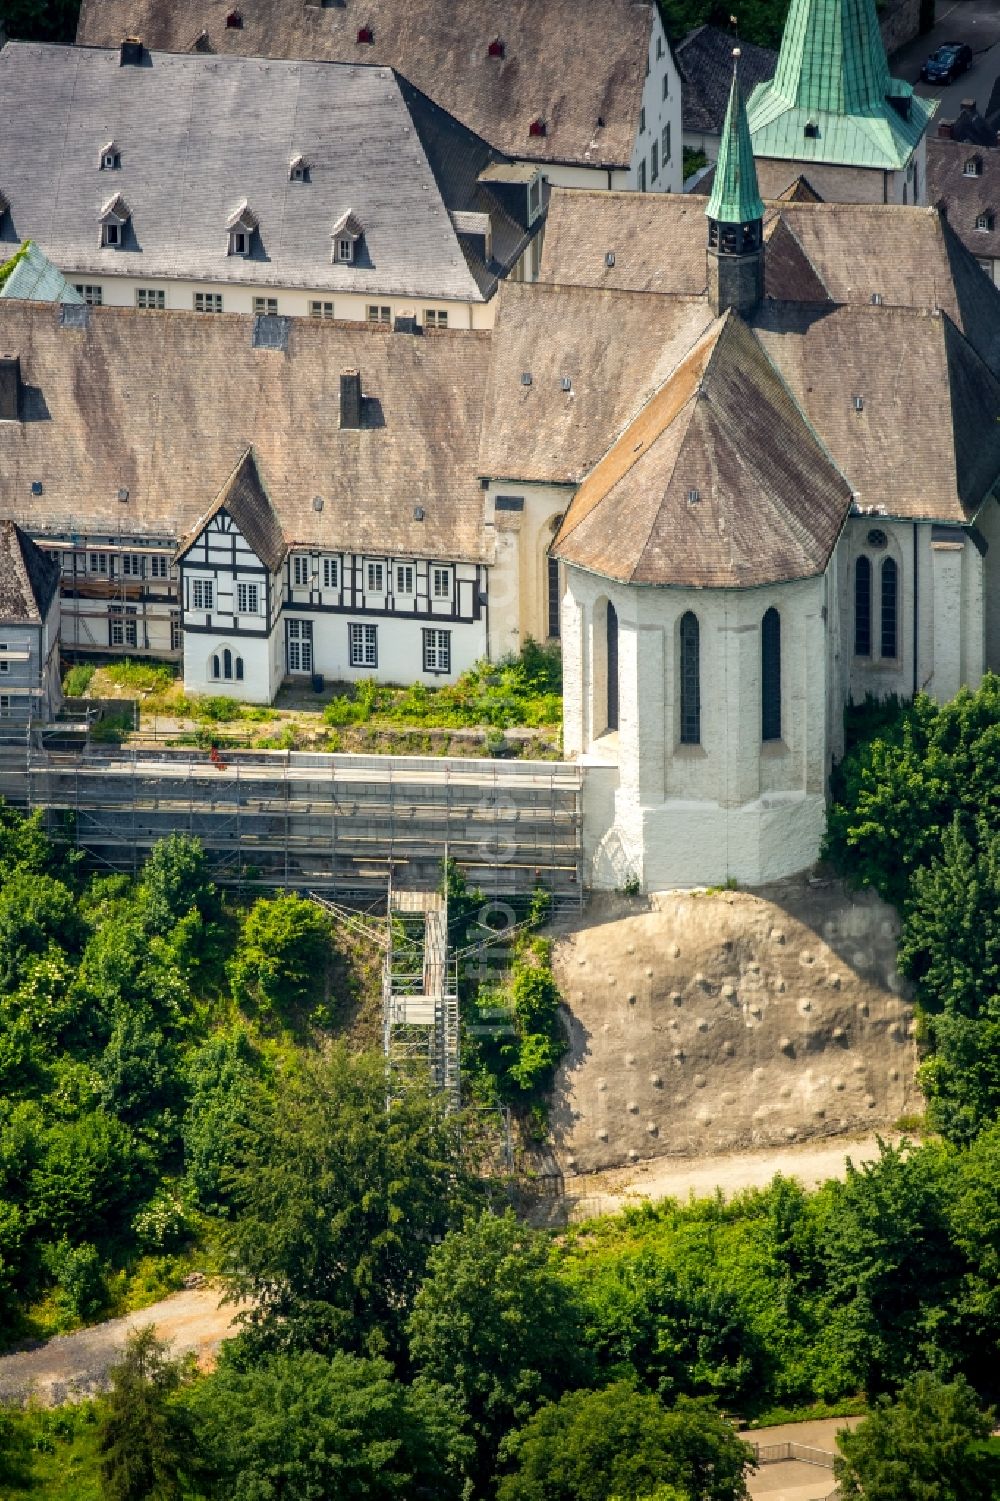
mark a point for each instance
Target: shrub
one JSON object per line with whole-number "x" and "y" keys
{"x": 77, "y": 680}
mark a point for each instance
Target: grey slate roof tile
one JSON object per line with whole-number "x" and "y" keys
{"x": 705, "y": 58}
{"x": 29, "y": 577}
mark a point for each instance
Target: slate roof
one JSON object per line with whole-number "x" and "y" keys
{"x": 29, "y": 578}
{"x": 909, "y": 256}
{"x": 245, "y": 498}
{"x": 33, "y": 277}
{"x": 568, "y": 62}
{"x": 202, "y": 137}
{"x": 719, "y": 482}
{"x": 965, "y": 198}
{"x": 833, "y": 80}
{"x": 166, "y": 405}
{"x": 705, "y": 59}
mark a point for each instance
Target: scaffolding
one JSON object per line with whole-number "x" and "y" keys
{"x": 338, "y": 824}
{"x": 420, "y": 994}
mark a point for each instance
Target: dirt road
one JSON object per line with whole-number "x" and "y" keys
{"x": 73, "y": 1366}
{"x": 678, "y": 1177}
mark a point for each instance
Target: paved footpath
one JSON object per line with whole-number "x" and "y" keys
{"x": 73, "y": 1366}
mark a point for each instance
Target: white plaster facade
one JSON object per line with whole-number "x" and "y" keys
{"x": 30, "y": 686}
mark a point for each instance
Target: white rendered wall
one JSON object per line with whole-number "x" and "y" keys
{"x": 731, "y": 806}
{"x": 519, "y": 576}
{"x": 659, "y": 112}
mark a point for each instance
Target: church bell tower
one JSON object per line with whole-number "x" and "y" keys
{"x": 735, "y": 215}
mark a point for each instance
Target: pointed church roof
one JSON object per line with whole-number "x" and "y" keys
{"x": 832, "y": 98}
{"x": 719, "y": 482}
{"x": 735, "y": 198}
{"x": 245, "y": 499}
{"x": 29, "y": 577}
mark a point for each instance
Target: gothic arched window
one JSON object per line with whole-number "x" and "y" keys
{"x": 863, "y": 608}
{"x": 690, "y": 679}
{"x": 227, "y": 663}
{"x": 215, "y": 665}
{"x": 239, "y": 669}
{"x": 889, "y": 616}
{"x": 770, "y": 676}
{"x": 612, "y": 658}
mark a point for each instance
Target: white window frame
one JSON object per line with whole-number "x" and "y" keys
{"x": 321, "y": 309}
{"x": 247, "y": 598}
{"x": 405, "y": 580}
{"x": 4, "y": 664}
{"x": 436, "y": 317}
{"x": 154, "y": 298}
{"x": 124, "y": 630}
{"x": 159, "y": 566}
{"x": 378, "y": 313}
{"x": 203, "y": 595}
{"x": 266, "y": 306}
{"x": 437, "y": 650}
{"x": 239, "y": 242}
{"x": 345, "y": 250}
{"x": 362, "y": 644}
{"x": 207, "y": 302}
{"x": 300, "y": 645}
{"x": 441, "y": 581}
{"x": 111, "y": 234}
{"x": 301, "y": 572}
{"x": 92, "y": 294}
{"x": 374, "y": 576}
{"x": 985, "y": 222}
{"x": 99, "y": 564}
{"x": 132, "y": 565}
{"x": 331, "y": 573}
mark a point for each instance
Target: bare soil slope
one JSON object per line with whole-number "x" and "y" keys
{"x": 712, "y": 1022}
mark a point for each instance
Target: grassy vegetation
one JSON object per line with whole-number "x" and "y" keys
{"x": 8, "y": 265}
{"x": 78, "y": 680}
{"x": 693, "y": 162}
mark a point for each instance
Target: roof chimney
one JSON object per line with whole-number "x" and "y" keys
{"x": 10, "y": 388}
{"x": 130, "y": 52}
{"x": 970, "y": 105}
{"x": 350, "y": 398}
{"x": 945, "y": 128}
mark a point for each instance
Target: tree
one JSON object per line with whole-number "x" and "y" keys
{"x": 282, "y": 954}
{"x": 928, "y": 1445}
{"x": 37, "y": 912}
{"x": 620, "y": 1442}
{"x": 339, "y": 1194}
{"x": 224, "y": 1078}
{"x": 494, "y": 1320}
{"x": 176, "y": 881}
{"x": 84, "y": 1182}
{"x": 144, "y": 1435}
{"x": 312, "y": 1428}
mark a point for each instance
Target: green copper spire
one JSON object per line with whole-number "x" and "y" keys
{"x": 832, "y": 98}
{"x": 735, "y": 197}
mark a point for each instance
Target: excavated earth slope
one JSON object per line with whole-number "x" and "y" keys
{"x": 706, "y": 1022}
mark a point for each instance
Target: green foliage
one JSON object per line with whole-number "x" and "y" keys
{"x": 140, "y": 677}
{"x": 494, "y": 1321}
{"x": 281, "y": 960}
{"x": 693, "y": 162}
{"x": 927, "y": 1445}
{"x": 77, "y": 680}
{"x": 144, "y": 1433}
{"x": 338, "y": 1198}
{"x": 521, "y": 690}
{"x": 41, "y": 20}
{"x": 760, "y": 21}
{"x": 307, "y": 1427}
{"x": 79, "y": 1277}
{"x": 621, "y": 1442}
{"x": 224, "y": 1077}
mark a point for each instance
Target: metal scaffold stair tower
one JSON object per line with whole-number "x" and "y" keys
{"x": 420, "y": 993}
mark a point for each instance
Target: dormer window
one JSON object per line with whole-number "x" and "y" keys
{"x": 346, "y": 236}
{"x": 986, "y": 220}
{"x": 973, "y": 167}
{"x": 111, "y": 158}
{"x": 114, "y": 217}
{"x": 298, "y": 169}
{"x": 241, "y": 226}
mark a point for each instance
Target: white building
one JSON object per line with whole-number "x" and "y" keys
{"x": 145, "y": 177}
{"x": 29, "y": 619}
{"x": 588, "y": 93}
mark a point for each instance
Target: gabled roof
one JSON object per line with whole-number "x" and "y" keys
{"x": 244, "y": 498}
{"x": 705, "y": 59}
{"x": 569, "y": 63}
{"x": 965, "y": 198}
{"x": 242, "y": 217}
{"x": 832, "y": 98}
{"x": 350, "y": 225}
{"x": 719, "y": 482}
{"x": 116, "y": 208}
{"x": 166, "y": 405}
{"x": 969, "y": 125}
{"x": 191, "y": 151}
{"x": 29, "y": 577}
{"x": 734, "y": 198}
{"x": 800, "y": 190}
{"x": 30, "y": 275}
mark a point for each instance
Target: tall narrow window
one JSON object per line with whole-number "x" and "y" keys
{"x": 227, "y": 663}
{"x": 612, "y": 655}
{"x": 863, "y": 608}
{"x": 553, "y": 582}
{"x": 770, "y": 676}
{"x": 890, "y": 592}
{"x": 690, "y": 680}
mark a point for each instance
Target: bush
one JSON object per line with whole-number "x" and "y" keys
{"x": 282, "y": 956}
{"x": 79, "y": 1277}
{"x": 77, "y": 680}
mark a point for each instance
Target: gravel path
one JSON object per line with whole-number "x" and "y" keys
{"x": 73, "y": 1366}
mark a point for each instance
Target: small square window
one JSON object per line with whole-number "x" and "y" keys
{"x": 436, "y": 318}
{"x": 150, "y": 297}
{"x": 973, "y": 167}
{"x": 376, "y": 578}
{"x": 92, "y": 296}
{"x": 437, "y": 651}
{"x": 985, "y": 221}
{"x": 377, "y": 313}
{"x": 208, "y": 302}
{"x": 363, "y": 645}
{"x": 111, "y": 161}
{"x": 266, "y": 305}
{"x": 321, "y": 309}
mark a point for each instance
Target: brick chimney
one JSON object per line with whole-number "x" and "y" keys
{"x": 945, "y": 128}
{"x": 350, "y": 398}
{"x": 130, "y": 52}
{"x": 10, "y": 388}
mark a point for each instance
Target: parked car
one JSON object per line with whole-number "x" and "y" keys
{"x": 945, "y": 65}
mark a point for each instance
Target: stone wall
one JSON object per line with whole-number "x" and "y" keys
{"x": 899, "y": 22}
